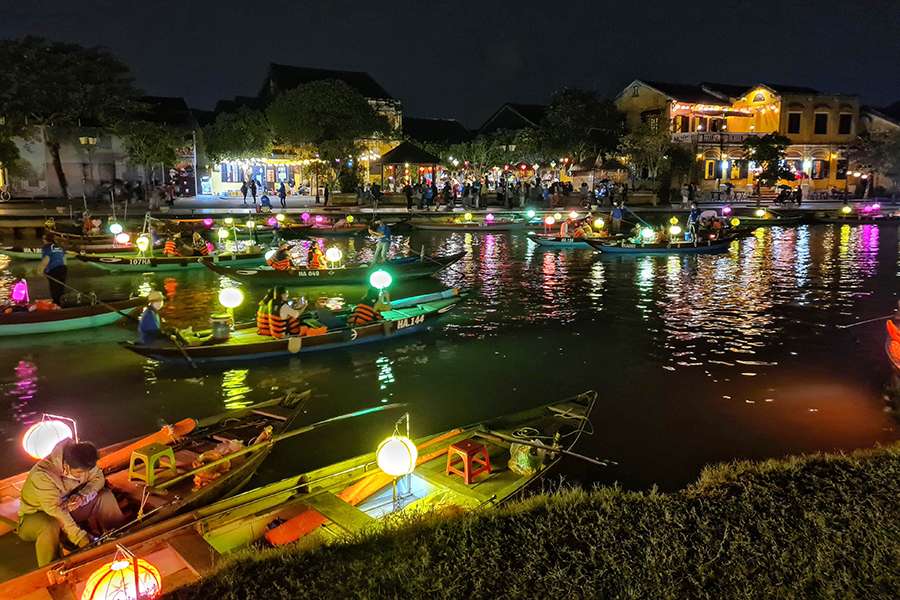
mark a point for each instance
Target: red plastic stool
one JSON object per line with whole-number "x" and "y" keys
{"x": 472, "y": 454}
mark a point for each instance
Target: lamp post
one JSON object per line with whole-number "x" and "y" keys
{"x": 87, "y": 142}
{"x": 396, "y": 456}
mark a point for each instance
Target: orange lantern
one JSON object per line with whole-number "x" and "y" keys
{"x": 125, "y": 578}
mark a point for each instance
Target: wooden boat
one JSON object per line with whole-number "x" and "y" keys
{"x": 773, "y": 220}
{"x": 410, "y": 267}
{"x": 629, "y": 247}
{"x": 856, "y": 219}
{"x": 326, "y": 230}
{"x": 489, "y": 226}
{"x": 555, "y": 241}
{"x": 892, "y": 347}
{"x": 172, "y": 494}
{"x": 133, "y": 262}
{"x": 407, "y": 316}
{"x": 340, "y": 499}
{"x": 85, "y": 316}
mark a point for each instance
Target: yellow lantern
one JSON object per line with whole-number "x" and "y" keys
{"x": 573, "y": 215}
{"x": 222, "y": 233}
{"x": 250, "y": 224}
{"x": 760, "y": 212}
{"x": 143, "y": 242}
{"x": 735, "y": 222}
{"x": 231, "y": 297}
{"x": 846, "y": 209}
{"x": 333, "y": 254}
{"x": 40, "y": 439}
{"x": 350, "y": 218}
{"x": 557, "y": 216}
{"x": 229, "y": 221}
{"x": 599, "y": 223}
{"x": 279, "y": 217}
{"x": 673, "y": 221}
{"x": 128, "y": 578}
{"x": 675, "y": 230}
{"x": 397, "y": 456}
{"x": 467, "y": 216}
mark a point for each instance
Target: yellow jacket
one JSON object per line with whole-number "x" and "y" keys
{"x": 47, "y": 490}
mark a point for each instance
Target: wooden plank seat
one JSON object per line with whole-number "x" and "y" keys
{"x": 344, "y": 515}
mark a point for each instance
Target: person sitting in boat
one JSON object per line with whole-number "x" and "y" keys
{"x": 65, "y": 492}
{"x": 172, "y": 243}
{"x": 369, "y": 308}
{"x": 263, "y": 310}
{"x": 284, "y": 316}
{"x": 281, "y": 259}
{"x": 150, "y": 329}
{"x": 198, "y": 244}
{"x": 315, "y": 258}
{"x": 324, "y": 316}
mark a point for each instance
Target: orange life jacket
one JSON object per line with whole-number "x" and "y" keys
{"x": 202, "y": 248}
{"x": 169, "y": 249}
{"x": 280, "y": 327}
{"x": 363, "y": 314}
{"x": 315, "y": 261}
{"x": 280, "y": 265}
{"x": 262, "y": 320}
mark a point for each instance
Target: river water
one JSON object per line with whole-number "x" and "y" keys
{"x": 696, "y": 359}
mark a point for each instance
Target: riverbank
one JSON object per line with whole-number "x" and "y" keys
{"x": 817, "y": 526}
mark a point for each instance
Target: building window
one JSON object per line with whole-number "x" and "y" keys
{"x": 840, "y": 168}
{"x": 820, "y": 125}
{"x": 701, "y": 124}
{"x": 710, "y": 170}
{"x": 793, "y": 122}
{"x": 716, "y": 125}
{"x": 759, "y": 97}
{"x": 845, "y": 124}
{"x": 820, "y": 168}
{"x": 231, "y": 173}
{"x": 681, "y": 123}
{"x": 635, "y": 91}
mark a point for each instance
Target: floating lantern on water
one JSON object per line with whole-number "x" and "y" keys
{"x": 123, "y": 238}
{"x": 350, "y": 218}
{"x": 397, "y": 456}
{"x": 549, "y": 221}
{"x": 125, "y": 578}
{"x": 489, "y": 217}
{"x": 41, "y": 438}
{"x": 599, "y": 223}
{"x": 231, "y": 297}
{"x": 673, "y": 221}
{"x": 222, "y": 233}
{"x": 759, "y": 212}
{"x": 846, "y": 209}
{"x": 115, "y": 228}
{"x": 380, "y": 279}
{"x": 726, "y": 210}
{"x": 467, "y": 216}
{"x": 143, "y": 242}
{"x": 573, "y": 215}
{"x": 207, "y": 222}
{"x": 280, "y": 217}
{"x": 735, "y": 222}
{"x": 675, "y": 230}
{"x": 229, "y": 221}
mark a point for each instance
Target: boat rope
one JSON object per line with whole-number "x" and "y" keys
{"x": 145, "y": 495}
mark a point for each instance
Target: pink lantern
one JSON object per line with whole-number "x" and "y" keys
{"x": 272, "y": 222}
{"x": 489, "y": 217}
{"x": 319, "y": 219}
{"x": 207, "y": 222}
{"x": 866, "y": 209}
{"x": 305, "y": 217}
{"x": 20, "y": 292}
{"x": 210, "y": 248}
{"x": 876, "y": 206}
{"x": 726, "y": 210}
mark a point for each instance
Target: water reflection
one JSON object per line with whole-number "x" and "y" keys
{"x": 235, "y": 389}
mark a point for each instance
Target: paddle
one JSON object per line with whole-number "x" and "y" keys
{"x": 278, "y": 438}
{"x": 864, "y": 322}
{"x": 488, "y": 434}
{"x": 173, "y": 338}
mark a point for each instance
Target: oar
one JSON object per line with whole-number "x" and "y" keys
{"x": 278, "y": 438}
{"x": 173, "y": 338}
{"x": 866, "y": 321}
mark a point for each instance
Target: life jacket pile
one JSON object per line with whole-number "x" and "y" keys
{"x": 363, "y": 314}
{"x": 280, "y": 264}
{"x": 262, "y": 319}
{"x": 169, "y": 249}
{"x": 270, "y": 324}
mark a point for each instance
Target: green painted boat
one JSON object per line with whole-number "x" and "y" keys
{"x": 143, "y": 264}
{"x": 21, "y": 252}
{"x": 86, "y": 316}
{"x": 338, "y": 500}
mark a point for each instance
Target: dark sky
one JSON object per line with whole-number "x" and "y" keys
{"x": 463, "y": 59}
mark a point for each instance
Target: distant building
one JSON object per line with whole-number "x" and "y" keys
{"x": 435, "y": 131}
{"x": 514, "y": 117}
{"x": 714, "y": 120}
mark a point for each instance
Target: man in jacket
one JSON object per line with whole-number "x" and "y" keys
{"x": 64, "y": 492}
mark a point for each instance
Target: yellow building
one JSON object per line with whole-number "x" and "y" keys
{"x": 714, "y": 120}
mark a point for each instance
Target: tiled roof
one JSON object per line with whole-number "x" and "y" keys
{"x": 449, "y": 131}
{"x": 287, "y": 77}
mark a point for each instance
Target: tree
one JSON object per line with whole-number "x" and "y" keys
{"x": 59, "y": 87}
{"x": 877, "y": 151}
{"x": 580, "y": 124}
{"x": 647, "y": 149}
{"x": 244, "y": 133}
{"x": 331, "y": 117}
{"x": 768, "y": 153}
{"x": 150, "y": 144}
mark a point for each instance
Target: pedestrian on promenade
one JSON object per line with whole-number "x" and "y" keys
{"x": 282, "y": 194}
{"x": 327, "y": 195}
{"x": 244, "y": 190}
{"x": 253, "y": 190}
{"x": 408, "y": 192}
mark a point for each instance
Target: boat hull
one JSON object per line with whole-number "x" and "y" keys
{"x": 403, "y": 269}
{"x": 71, "y": 319}
{"x": 474, "y": 227}
{"x": 166, "y": 263}
{"x": 628, "y": 248}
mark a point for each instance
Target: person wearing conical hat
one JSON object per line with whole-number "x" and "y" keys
{"x": 150, "y": 324}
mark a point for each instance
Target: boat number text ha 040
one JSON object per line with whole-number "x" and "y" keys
{"x": 410, "y": 321}
{"x": 307, "y": 273}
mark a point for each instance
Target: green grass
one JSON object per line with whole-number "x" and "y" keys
{"x": 818, "y": 526}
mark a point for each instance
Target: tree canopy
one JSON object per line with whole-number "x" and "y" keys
{"x": 879, "y": 152}
{"x": 244, "y": 133}
{"x": 768, "y": 153}
{"x": 581, "y": 124}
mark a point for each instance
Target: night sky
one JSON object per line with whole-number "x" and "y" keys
{"x": 464, "y": 59}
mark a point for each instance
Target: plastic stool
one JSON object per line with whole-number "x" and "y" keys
{"x": 475, "y": 459}
{"x": 150, "y": 458}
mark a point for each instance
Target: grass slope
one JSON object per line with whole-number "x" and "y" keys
{"x": 819, "y": 526}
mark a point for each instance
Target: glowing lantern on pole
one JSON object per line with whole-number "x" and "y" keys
{"x": 467, "y": 217}
{"x": 350, "y": 218}
{"x": 846, "y": 209}
{"x": 599, "y": 223}
{"x": 123, "y": 238}
{"x": 759, "y": 212}
{"x": 530, "y": 214}
{"x": 334, "y": 255}
{"x": 380, "y": 279}
{"x": 549, "y": 221}
{"x": 143, "y": 242}
{"x": 230, "y": 297}
{"x": 125, "y": 578}
{"x": 573, "y": 215}
{"x": 673, "y": 221}
{"x": 647, "y": 233}
{"x": 735, "y": 222}
{"x": 40, "y": 439}
{"x": 222, "y": 233}
{"x": 280, "y": 217}
{"x": 115, "y": 228}
{"x": 675, "y": 230}
{"x": 207, "y": 222}
{"x": 251, "y": 224}
{"x": 489, "y": 217}
{"x": 229, "y": 221}
{"x": 397, "y": 455}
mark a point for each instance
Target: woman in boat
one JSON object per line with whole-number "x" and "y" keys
{"x": 369, "y": 308}
{"x": 150, "y": 329}
{"x": 53, "y": 265}
{"x": 281, "y": 260}
{"x": 199, "y": 245}
{"x": 284, "y": 318}
{"x": 315, "y": 259}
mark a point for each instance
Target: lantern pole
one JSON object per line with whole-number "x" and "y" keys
{"x": 68, "y": 419}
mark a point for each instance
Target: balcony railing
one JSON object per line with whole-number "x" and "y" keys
{"x": 713, "y": 137}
